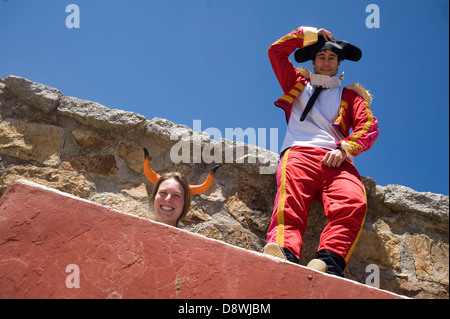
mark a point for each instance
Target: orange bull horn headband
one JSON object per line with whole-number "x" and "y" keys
{"x": 194, "y": 189}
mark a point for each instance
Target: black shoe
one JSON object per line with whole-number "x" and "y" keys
{"x": 335, "y": 263}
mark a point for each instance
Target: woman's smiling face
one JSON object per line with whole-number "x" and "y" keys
{"x": 169, "y": 202}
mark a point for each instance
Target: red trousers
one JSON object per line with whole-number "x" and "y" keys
{"x": 301, "y": 177}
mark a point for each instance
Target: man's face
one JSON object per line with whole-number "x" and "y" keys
{"x": 326, "y": 63}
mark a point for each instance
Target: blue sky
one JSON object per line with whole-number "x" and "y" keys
{"x": 207, "y": 60}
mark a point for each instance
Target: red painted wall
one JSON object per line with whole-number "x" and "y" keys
{"x": 51, "y": 243}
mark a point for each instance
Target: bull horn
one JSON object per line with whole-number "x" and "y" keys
{"x": 194, "y": 189}
{"x": 149, "y": 173}
{"x": 198, "y": 189}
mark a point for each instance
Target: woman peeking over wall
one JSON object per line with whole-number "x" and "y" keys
{"x": 171, "y": 198}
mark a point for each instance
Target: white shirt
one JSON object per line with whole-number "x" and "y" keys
{"x": 317, "y": 129}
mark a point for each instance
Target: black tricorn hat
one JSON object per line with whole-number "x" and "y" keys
{"x": 343, "y": 49}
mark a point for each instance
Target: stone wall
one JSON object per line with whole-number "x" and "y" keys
{"x": 93, "y": 152}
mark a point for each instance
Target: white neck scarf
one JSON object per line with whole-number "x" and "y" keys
{"x": 326, "y": 81}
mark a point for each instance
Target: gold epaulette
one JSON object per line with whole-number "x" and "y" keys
{"x": 305, "y": 72}
{"x": 362, "y": 91}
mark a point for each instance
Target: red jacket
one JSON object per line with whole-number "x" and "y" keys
{"x": 354, "y": 112}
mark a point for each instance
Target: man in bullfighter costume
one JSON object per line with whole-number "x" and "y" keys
{"x": 328, "y": 125}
